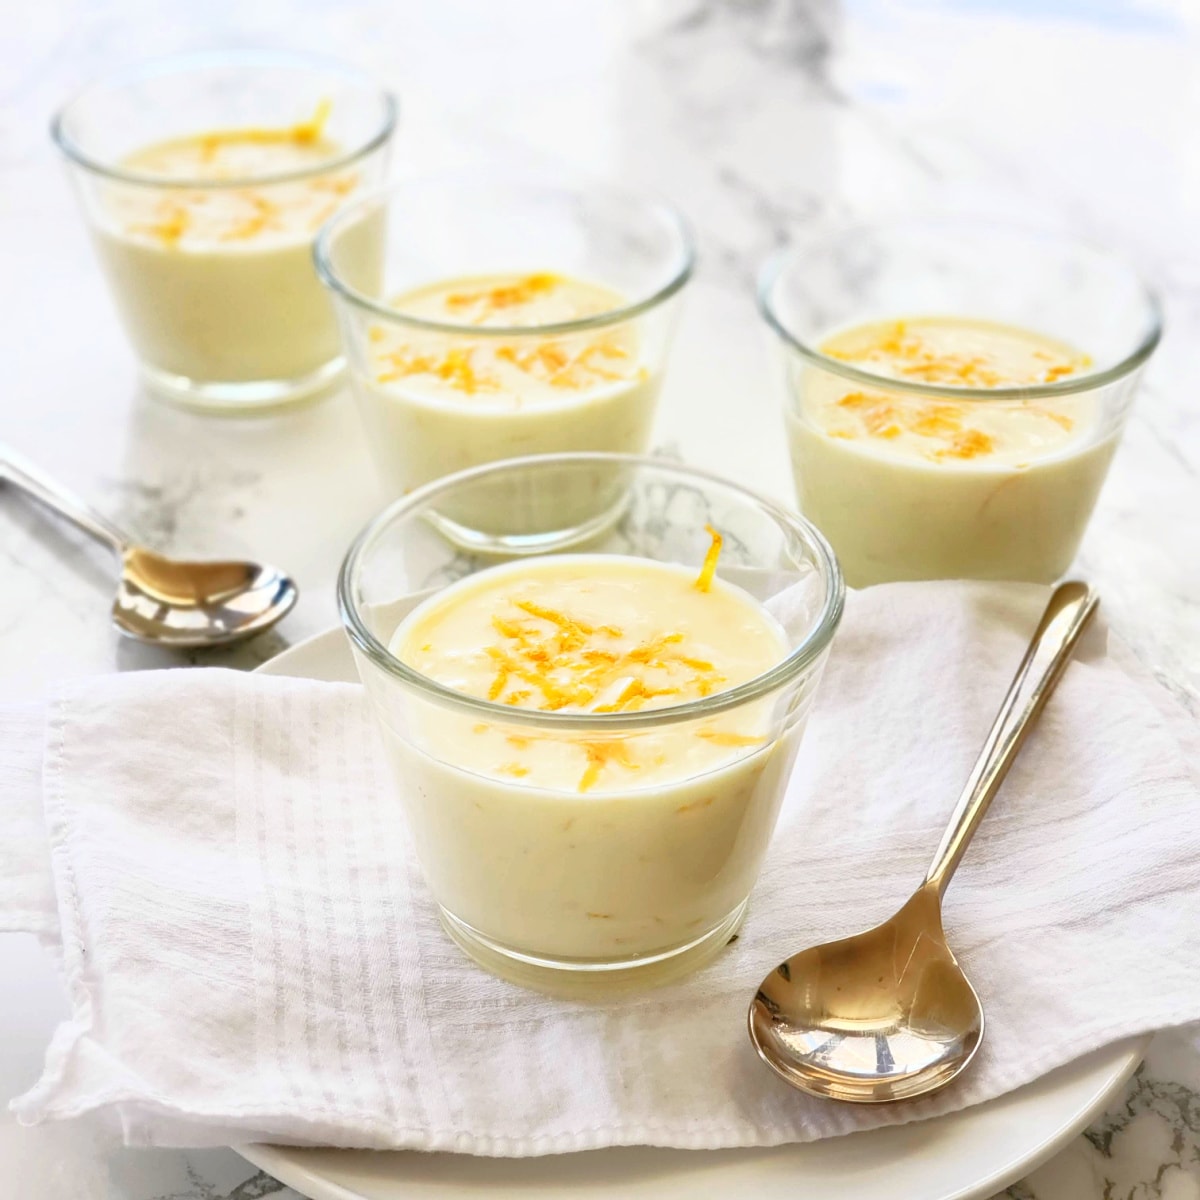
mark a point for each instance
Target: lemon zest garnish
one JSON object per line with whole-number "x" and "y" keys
{"x": 339, "y": 185}
{"x": 563, "y": 666}
{"x": 576, "y": 631}
{"x": 883, "y": 418}
{"x": 647, "y": 652}
{"x": 1058, "y": 418}
{"x": 510, "y": 295}
{"x": 721, "y": 737}
{"x": 879, "y": 418}
{"x": 894, "y": 343}
{"x": 1057, "y": 372}
{"x": 971, "y": 443}
{"x": 709, "y": 569}
{"x": 633, "y": 695}
{"x": 553, "y": 364}
{"x": 312, "y": 129}
{"x": 171, "y": 228}
{"x": 499, "y": 683}
{"x": 264, "y": 213}
{"x": 937, "y": 422}
{"x": 599, "y": 755}
{"x": 304, "y": 133}
{"x": 905, "y": 352}
{"x": 857, "y": 400}
{"x": 513, "y": 768}
{"x": 550, "y": 362}
{"x": 455, "y": 367}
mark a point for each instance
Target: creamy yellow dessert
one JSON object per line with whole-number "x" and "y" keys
{"x": 214, "y": 279}
{"x": 577, "y": 844}
{"x": 912, "y": 487}
{"x": 440, "y": 402}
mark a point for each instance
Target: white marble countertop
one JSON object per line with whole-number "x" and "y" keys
{"x": 759, "y": 117}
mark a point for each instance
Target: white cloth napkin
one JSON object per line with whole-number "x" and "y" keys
{"x": 251, "y": 954}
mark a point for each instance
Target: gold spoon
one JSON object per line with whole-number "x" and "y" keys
{"x": 888, "y": 1014}
{"x": 180, "y": 605}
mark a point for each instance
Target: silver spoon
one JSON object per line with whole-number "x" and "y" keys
{"x": 889, "y": 1014}
{"x": 159, "y": 600}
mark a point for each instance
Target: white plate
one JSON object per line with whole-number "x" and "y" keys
{"x": 967, "y": 1155}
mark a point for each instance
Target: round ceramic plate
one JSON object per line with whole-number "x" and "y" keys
{"x": 974, "y": 1153}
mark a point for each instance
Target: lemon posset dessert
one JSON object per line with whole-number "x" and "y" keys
{"x": 577, "y": 845}
{"x": 439, "y": 402}
{"x": 913, "y": 487}
{"x": 214, "y": 277}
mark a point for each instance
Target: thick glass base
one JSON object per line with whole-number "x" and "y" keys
{"x": 540, "y": 537}
{"x": 251, "y": 397}
{"x": 583, "y": 978}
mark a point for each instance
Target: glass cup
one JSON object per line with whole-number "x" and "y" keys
{"x": 917, "y": 479}
{"x": 210, "y": 265}
{"x": 448, "y": 386}
{"x": 572, "y": 889}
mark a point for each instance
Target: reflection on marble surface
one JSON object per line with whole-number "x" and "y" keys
{"x": 761, "y": 118}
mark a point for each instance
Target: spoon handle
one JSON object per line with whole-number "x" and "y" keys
{"x": 24, "y": 475}
{"x": 1065, "y": 618}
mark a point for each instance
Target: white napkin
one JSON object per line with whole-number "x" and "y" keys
{"x": 251, "y": 954}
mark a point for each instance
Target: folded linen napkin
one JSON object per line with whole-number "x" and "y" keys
{"x": 251, "y": 954}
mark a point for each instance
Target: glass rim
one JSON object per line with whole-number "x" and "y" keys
{"x": 681, "y": 272}
{"x": 774, "y": 267}
{"x": 793, "y": 665}
{"x": 181, "y": 63}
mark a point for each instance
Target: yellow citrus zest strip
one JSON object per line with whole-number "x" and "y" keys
{"x": 563, "y": 665}
{"x": 883, "y": 417}
{"x": 599, "y": 755}
{"x": 338, "y": 185}
{"x": 311, "y": 130}
{"x": 575, "y": 632}
{"x": 1058, "y": 418}
{"x": 547, "y": 362}
{"x": 264, "y": 213}
{"x": 709, "y": 569}
{"x": 971, "y": 443}
{"x": 720, "y": 737}
{"x": 634, "y": 694}
{"x": 304, "y": 133}
{"x": 455, "y": 367}
{"x": 903, "y": 350}
{"x": 510, "y": 295}
{"x": 175, "y": 223}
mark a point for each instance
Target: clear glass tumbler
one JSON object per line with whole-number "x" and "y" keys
{"x": 920, "y": 467}
{"x": 203, "y": 179}
{"x": 503, "y": 318}
{"x": 569, "y": 887}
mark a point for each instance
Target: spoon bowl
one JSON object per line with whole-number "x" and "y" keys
{"x": 889, "y": 1014}
{"x": 194, "y": 604}
{"x": 180, "y": 605}
{"x": 884, "y": 1015}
